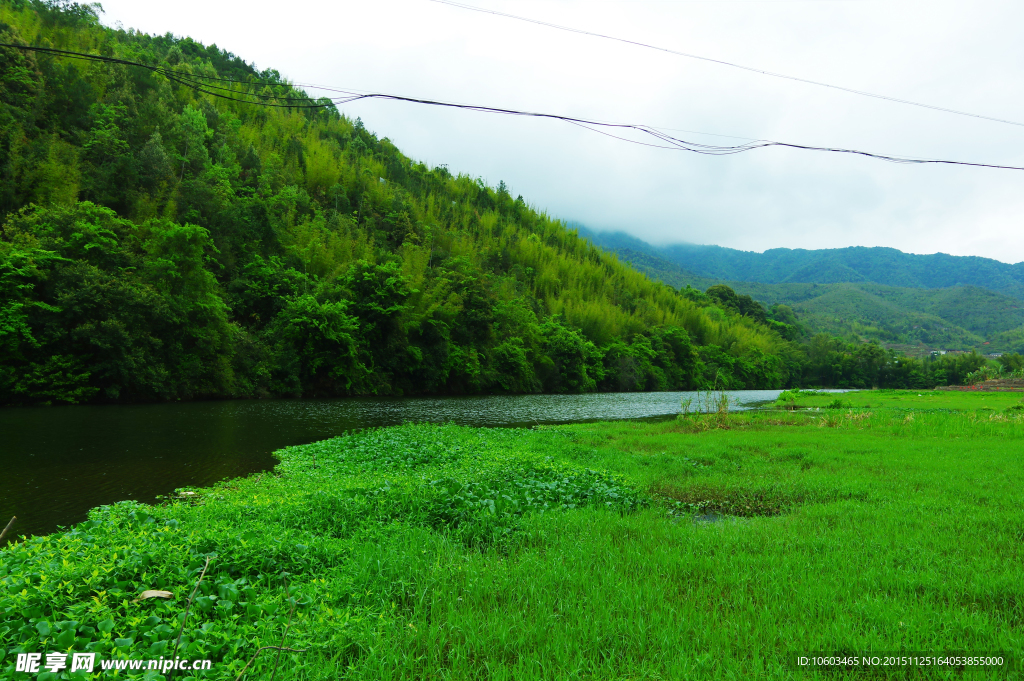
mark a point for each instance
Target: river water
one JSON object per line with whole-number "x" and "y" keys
{"x": 58, "y": 462}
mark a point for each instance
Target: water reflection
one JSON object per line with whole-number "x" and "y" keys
{"x": 59, "y": 462}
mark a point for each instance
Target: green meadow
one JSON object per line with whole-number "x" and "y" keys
{"x": 952, "y": 400}
{"x": 709, "y": 546}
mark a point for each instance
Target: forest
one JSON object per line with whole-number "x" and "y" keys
{"x": 822, "y": 360}
{"x": 158, "y": 242}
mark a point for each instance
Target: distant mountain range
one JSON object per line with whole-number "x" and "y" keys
{"x": 929, "y": 301}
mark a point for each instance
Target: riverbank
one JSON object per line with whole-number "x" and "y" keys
{"x": 60, "y": 462}
{"x": 705, "y": 547}
{"x": 929, "y": 400}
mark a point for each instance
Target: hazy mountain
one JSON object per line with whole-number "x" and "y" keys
{"x": 838, "y": 291}
{"x": 886, "y": 266}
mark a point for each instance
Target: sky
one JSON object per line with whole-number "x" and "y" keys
{"x": 957, "y": 54}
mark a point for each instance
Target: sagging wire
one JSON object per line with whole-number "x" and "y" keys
{"x": 213, "y": 86}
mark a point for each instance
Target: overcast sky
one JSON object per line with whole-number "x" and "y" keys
{"x": 958, "y": 54}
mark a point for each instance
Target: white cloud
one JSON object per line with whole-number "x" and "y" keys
{"x": 962, "y": 55}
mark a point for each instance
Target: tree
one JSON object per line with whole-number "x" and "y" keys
{"x": 1011, "y": 362}
{"x": 317, "y": 342}
{"x": 574, "y": 362}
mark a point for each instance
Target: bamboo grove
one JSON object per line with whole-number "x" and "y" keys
{"x": 159, "y": 243}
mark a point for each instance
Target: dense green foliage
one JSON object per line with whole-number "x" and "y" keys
{"x": 825, "y": 360}
{"x": 833, "y": 362}
{"x": 158, "y": 243}
{"x": 705, "y": 547}
{"x": 780, "y": 318}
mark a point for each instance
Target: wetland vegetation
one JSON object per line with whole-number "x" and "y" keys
{"x": 708, "y": 546}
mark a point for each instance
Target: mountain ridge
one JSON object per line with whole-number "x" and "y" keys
{"x": 877, "y": 264}
{"x": 963, "y": 317}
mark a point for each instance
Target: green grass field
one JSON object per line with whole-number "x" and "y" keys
{"x": 951, "y": 400}
{"x": 703, "y": 547}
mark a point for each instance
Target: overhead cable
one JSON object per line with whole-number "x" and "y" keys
{"x": 722, "y": 62}
{"x": 215, "y": 86}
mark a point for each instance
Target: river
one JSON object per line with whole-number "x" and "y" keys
{"x": 59, "y": 462}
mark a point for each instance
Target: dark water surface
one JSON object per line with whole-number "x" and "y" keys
{"x": 58, "y": 462}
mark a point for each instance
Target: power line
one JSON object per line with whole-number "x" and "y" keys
{"x": 722, "y": 62}
{"x": 653, "y": 127}
{"x": 210, "y": 85}
{"x": 190, "y": 80}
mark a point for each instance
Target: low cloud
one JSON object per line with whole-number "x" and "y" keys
{"x": 950, "y": 55}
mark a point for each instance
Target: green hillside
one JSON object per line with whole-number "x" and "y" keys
{"x": 663, "y": 270}
{"x": 977, "y": 309}
{"x": 847, "y": 309}
{"x": 160, "y": 243}
{"x": 958, "y": 317}
{"x": 1009, "y": 341}
{"x": 886, "y": 266}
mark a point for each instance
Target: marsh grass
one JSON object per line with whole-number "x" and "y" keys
{"x": 430, "y": 552}
{"x": 705, "y": 410}
{"x": 902, "y": 399}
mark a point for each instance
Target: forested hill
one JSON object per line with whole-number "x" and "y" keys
{"x": 158, "y": 243}
{"x": 886, "y": 266}
{"x": 955, "y": 318}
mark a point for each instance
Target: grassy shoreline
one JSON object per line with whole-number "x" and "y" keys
{"x": 906, "y": 399}
{"x": 705, "y": 547}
